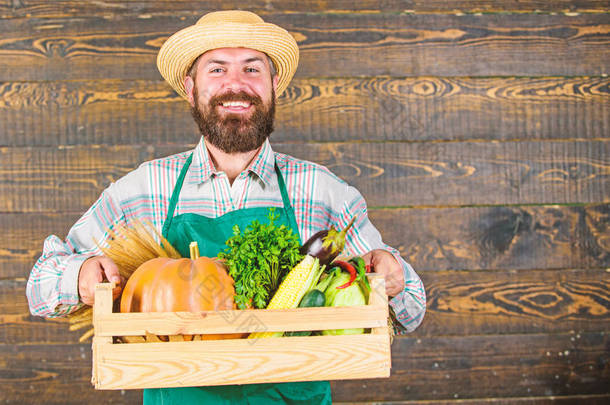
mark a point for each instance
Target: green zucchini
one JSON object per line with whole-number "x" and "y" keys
{"x": 313, "y": 298}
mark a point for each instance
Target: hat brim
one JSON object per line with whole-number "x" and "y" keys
{"x": 180, "y": 51}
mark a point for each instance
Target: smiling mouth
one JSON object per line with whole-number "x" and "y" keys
{"x": 236, "y": 105}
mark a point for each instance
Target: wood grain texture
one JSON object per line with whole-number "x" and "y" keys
{"x": 476, "y": 130}
{"x": 23, "y": 240}
{"x": 499, "y": 302}
{"x": 331, "y": 45}
{"x": 49, "y": 179}
{"x": 431, "y": 239}
{"x": 460, "y": 303}
{"x": 62, "y": 373}
{"x": 242, "y": 321}
{"x": 601, "y": 399}
{"x": 500, "y": 366}
{"x": 485, "y": 238}
{"x": 115, "y": 112}
{"x": 17, "y": 326}
{"x": 75, "y": 8}
{"x": 241, "y": 361}
{"x": 437, "y": 369}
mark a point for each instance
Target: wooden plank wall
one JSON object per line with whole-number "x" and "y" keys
{"x": 478, "y": 131}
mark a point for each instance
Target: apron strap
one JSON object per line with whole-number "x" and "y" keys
{"x": 287, "y": 206}
{"x": 175, "y": 195}
{"x": 180, "y": 181}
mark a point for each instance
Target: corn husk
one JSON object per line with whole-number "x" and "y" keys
{"x": 129, "y": 247}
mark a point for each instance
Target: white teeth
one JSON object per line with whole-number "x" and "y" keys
{"x": 236, "y": 104}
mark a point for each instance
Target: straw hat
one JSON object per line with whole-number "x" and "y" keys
{"x": 227, "y": 29}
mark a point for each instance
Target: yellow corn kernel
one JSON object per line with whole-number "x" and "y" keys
{"x": 300, "y": 280}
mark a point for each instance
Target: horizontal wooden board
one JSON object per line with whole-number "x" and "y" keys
{"x": 241, "y": 361}
{"x": 76, "y": 8}
{"x": 496, "y": 238}
{"x": 331, "y": 45}
{"x": 460, "y": 303}
{"x": 60, "y": 374}
{"x": 114, "y": 112}
{"x": 489, "y": 367}
{"x": 17, "y": 326}
{"x": 70, "y": 179}
{"x": 601, "y": 399}
{"x": 431, "y": 239}
{"x": 108, "y": 324}
{"x": 23, "y": 240}
{"x": 437, "y": 368}
{"x": 241, "y": 321}
{"x": 497, "y": 302}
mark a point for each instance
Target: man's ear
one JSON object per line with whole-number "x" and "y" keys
{"x": 189, "y": 85}
{"x": 276, "y": 80}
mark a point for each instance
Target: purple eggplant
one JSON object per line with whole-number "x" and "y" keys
{"x": 326, "y": 245}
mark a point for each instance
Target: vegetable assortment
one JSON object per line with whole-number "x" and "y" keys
{"x": 345, "y": 284}
{"x": 263, "y": 266}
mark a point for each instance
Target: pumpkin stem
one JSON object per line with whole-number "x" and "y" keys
{"x": 194, "y": 248}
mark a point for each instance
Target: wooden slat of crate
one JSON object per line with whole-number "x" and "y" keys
{"x": 240, "y": 361}
{"x": 263, "y": 320}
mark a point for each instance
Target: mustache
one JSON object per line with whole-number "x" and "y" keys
{"x": 240, "y": 96}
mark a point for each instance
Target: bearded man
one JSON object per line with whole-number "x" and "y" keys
{"x": 230, "y": 66}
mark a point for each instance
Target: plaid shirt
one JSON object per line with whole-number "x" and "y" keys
{"x": 319, "y": 199}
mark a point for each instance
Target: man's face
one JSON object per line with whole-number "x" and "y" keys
{"x": 233, "y": 98}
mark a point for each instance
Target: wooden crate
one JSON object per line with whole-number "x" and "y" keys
{"x": 239, "y": 361}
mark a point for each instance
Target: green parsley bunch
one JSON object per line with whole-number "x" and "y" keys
{"x": 259, "y": 258}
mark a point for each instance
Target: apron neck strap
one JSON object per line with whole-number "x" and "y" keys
{"x": 175, "y": 195}
{"x": 287, "y": 206}
{"x": 180, "y": 181}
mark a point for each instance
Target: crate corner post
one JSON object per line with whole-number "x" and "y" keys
{"x": 102, "y": 306}
{"x": 378, "y": 297}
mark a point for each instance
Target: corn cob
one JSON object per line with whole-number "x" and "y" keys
{"x": 302, "y": 278}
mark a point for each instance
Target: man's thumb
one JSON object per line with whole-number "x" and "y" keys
{"x": 112, "y": 272}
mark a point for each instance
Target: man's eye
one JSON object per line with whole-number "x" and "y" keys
{"x": 216, "y": 70}
{"x": 251, "y": 70}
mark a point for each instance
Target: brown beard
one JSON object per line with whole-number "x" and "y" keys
{"x": 234, "y": 133}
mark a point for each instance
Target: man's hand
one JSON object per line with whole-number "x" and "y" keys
{"x": 384, "y": 263}
{"x": 94, "y": 270}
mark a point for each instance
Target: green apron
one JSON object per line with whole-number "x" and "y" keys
{"x": 211, "y": 234}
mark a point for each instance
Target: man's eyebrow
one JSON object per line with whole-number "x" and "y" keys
{"x": 254, "y": 59}
{"x": 222, "y": 62}
{"x": 216, "y": 61}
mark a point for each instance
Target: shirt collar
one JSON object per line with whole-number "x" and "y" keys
{"x": 263, "y": 164}
{"x": 202, "y": 167}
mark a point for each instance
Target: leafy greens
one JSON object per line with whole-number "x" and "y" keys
{"x": 259, "y": 258}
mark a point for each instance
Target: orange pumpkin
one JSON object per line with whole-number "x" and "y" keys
{"x": 174, "y": 285}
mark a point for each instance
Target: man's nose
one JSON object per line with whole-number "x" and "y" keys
{"x": 234, "y": 81}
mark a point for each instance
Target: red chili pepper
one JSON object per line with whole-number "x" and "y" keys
{"x": 350, "y": 269}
